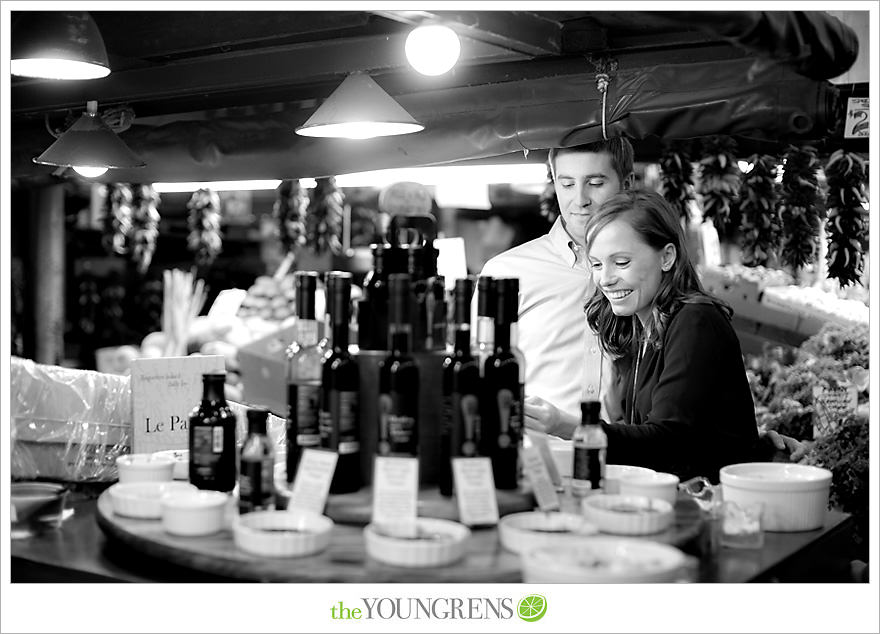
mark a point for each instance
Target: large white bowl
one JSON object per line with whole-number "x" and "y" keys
{"x": 142, "y": 500}
{"x": 606, "y": 560}
{"x": 615, "y": 472}
{"x": 292, "y": 533}
{"x": 663, "y": 486}
{"x": 521, "y": 532}
{"x": 794, "y": 496}
{"x": 438, "y": 542}
{"x": 628, "y": 515}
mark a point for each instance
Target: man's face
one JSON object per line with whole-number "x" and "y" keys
{"x": 584, "y": 180}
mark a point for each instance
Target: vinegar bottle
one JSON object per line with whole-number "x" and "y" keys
{"x": 340, "y": 379}
{"x": 590, "y": 444}
{"x": 256, "y": 466}
{"x": 212, "y": 449}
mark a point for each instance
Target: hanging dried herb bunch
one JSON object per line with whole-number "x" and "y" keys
{"x": 719, "y": 183}
{"x": 117, "y": 218}
{"x": 799, "y": 209}
{"x": 205, "y": 238}
{"x": 760, "y": 225}
{"x": 324, "y": 217}
{"x": 549, "y": 205}
{"x": 847, "y": 224}
{"x": 676, "y": 177}
{"x": 144, "y": 226}
{"x": 289, "y": 211}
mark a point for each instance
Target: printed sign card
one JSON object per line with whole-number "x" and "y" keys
{"x": 312, "y": 482}
{"x": 475, "y": 491}
{"x": 163, "y": 393}
{"x": 539, "y": 441}
{"x": 395, "y": 494}
{"x": 858, "y": 118}
{"x": 830, "y": 406}
{"x": 536, "y": 472}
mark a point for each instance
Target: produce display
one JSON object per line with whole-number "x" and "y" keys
{"x": 269, "y": 298}
{"x": 814, "y": 302}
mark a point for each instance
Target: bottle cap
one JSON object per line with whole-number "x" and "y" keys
{"x": 591, "y": 412}
{"x": 256, "y": 417}
{"x": 305, "y": 283}
{"x": 506, "y": 300}
{"x": 338, "y": 295}
{"x": 464, "y": 290}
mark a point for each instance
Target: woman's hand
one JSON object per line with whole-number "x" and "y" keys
{"x": 796, "y": 449}
{"x": 541, "y": 415}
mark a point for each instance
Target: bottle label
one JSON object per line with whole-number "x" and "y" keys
{"x": 217, "y": 439}
{"x": 203, "y": 454}
{"x": 303, "y": 404}
{"x": 469, "y": 406}
{"x": 587, "y": 466}
{"x": 402, "y": 434}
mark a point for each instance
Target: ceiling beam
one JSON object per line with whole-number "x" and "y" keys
{"x": 519, "y": 31}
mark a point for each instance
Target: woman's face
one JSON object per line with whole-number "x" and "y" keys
{"x": 626, "y": 269}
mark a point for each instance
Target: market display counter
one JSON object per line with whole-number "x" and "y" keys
{"x": 80, "y": 551}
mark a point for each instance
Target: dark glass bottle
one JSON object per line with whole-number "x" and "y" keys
{"x": 485, "y": 319}
{"x": 256, "y": 489}
{"x": 304, "y": 358}
{"x": 590, "y": 445}
{"x": 212, "y": 449}
{"x": 399, "y": 378}
{"x": 339, "y": 418}
{"x": 373, "y": 309}
{"x": 461, "y": 390}
{"x": 504, "y": 375}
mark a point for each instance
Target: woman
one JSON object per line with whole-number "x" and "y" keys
{"x": 683, "y": 383}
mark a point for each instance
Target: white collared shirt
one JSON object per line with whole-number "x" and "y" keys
{"x": 562, "y": 355}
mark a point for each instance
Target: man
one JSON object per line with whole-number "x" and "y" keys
{"x": 563, "y": 360}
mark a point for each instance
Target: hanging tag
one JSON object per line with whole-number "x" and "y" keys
{"x": 312, "y": 483}
{"x": 395, "y": 495}
{"x": 475, "y": 491}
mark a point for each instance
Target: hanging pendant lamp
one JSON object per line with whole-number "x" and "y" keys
{"x": 90, "y": 143}
{"x": 359, "y": 109}
{"x": 58, "y": 45}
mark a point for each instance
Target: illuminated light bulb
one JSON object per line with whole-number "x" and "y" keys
{"x": 432, "y": 49}
{"x": 89, "y": 172}
{"x": 57, "y": 69}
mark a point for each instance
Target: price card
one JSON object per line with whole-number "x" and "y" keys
{"x": 536, "y": 471}
{"x": 475, "y": 491}
{"x": 312, "y": 483}
{"x": 395, "y": 494}
{"x": 539, "y": 441}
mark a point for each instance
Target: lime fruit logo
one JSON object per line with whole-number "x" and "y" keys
{"x": 532, "y": 608}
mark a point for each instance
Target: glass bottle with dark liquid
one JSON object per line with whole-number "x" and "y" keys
{"x": 212, "y": 450}
{"x": 339, "y": 417}
{"x": 461, "y": 391}
{"x": 485, "y": 319}
{"x": 304, "y": 358}
{"x": 503, "y": 378}
{"x": 399, "y": 379}
{"x": 256, "y": 488}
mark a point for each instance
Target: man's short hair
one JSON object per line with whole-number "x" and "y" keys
{"x": 619, "y": 148}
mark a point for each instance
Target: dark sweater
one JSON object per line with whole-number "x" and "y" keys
{"x": 693, "y": 408}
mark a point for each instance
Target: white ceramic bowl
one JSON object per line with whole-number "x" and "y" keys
{"x": 614, "y": 472}
{"x": 192, "y": 513}
{"x": 438, "y": 542}
{"x": 794, "y": 496}
{"x": 628, "y": 515}
{"x": 145, "y": 467}
{"x": 293, "y": 533}
{"x": 659, "y": 485}
{"x": 606, "y": 560}
{"x": 181, "y": 462}
{"x": 142, "y": 500}
{"x": 521, "y": 532}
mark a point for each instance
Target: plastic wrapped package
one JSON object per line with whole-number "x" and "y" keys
{"x": 67, "y": 424}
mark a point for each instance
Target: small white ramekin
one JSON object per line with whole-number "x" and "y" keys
{"x": 628, "y": 515}
{"x": 290, "y": 533}
{"x": 438, "y": 542}
{"x": 521, "y": 532}
{"x": 142, "y": 500}
{"x": 181, "y": 462}
{"x": 144, "y": 467}
{"x": 614, "y": 473}
{"x": 195, "y": 513}
{"x": 658, "y": 485}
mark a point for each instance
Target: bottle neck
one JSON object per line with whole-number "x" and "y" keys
{"x": 505, "y": 337}
{"x": 400, "y": 339}
{"x": 340, "y": 335}
{"x": 485, "y": 330}
{"x": 212, "y": 389}
{"x": 257, "y": 429}
{"x": 462, "y": 343}
{"x": 306, "y": 331}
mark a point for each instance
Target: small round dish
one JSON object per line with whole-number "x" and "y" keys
{"x": 520, "y": 532}
{"x": 181, "y": 462}
{"x": 607, "y": 560}
{"x": 145, "y": 467}
{"x": 659, "y": 485}
{"x": 614, "y": 473}
{"x": 628, "y": 514}
{"x": 293, "y": 533}
{"x": 142, "y": 500}
{"x": 35, "y": 505}
{"x": 194, "y": 513}
{"x": 436, "y": 543}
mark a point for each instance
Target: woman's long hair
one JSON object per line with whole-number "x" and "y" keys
{"x": 658, "y": 225}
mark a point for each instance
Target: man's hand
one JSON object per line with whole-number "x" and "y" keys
{"x": 795, "y": 449}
